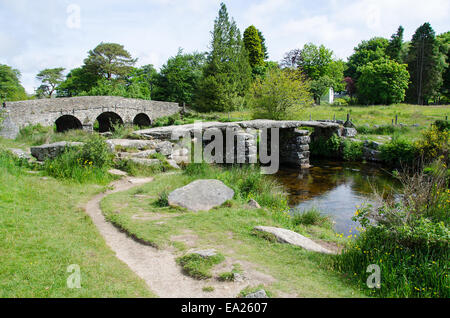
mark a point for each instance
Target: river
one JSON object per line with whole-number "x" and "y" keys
{"x": 335, "y": 189}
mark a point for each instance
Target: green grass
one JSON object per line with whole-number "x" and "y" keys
{"x": 297, "y": 271}
{"x": 312, "y": 217}
{"x": 44, "y": 229}
{"x": 199, "y": 267}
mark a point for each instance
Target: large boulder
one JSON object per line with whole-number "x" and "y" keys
{"x": 50, "y": 151}
{"x": 201, "y": 195}
{"x": 290, "y": 237}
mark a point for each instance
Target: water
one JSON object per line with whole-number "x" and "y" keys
{"x": 335, "y": 188}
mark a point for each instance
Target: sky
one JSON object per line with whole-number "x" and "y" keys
{"x": 35, "y": 35}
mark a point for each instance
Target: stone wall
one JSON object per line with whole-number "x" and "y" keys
{"x": 85, "y": 108}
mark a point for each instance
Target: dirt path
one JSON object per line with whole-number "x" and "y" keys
{"x": 157, "y": 267}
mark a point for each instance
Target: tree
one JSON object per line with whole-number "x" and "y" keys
{"x": 382, "y": 82}
{"x": 252, "y": 43}
{"x": 394, "y": 48}
{"x": 444, "y": 48}
{"x": 79, "y": 81}
{"x": 320, "y": 86}
{"x": 142, "y": 81}
{"x": 424, "y": 65}
{"x": 280, "y": 94}
{"x": 365, "y": 52}
{"x": 291, "y": 59}
{"x": 315, "y": 61}
{"x": 50, "y": 78}
{"x": 227, "y": 74}
{"x": 10, "y": 87}
{"x": 350, "y": 86}
{"x": 109, "y": 60}
{"x": 179, "y": 78}
{"x": 263, "y": 46}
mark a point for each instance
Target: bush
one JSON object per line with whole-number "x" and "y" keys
{"x": 352, "y": 150}
{"x": 278, "y": 94}
{"x": 442, "y": 125}
{"x": 399, "y": 151}
{"x": 407, "y": 237}
{"x": 433, "y": 144}
{"x": 88, "y": 163}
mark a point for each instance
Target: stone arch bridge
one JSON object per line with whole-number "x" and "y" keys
{"x": 82, "y": 112}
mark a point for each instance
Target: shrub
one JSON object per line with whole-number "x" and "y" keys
{"x": 278, "y": 94}
{"x": 163, "y": 198}
{"x": 352, "y": 150}
{"x": 434, "y": 143}
{"x": 442, "y": 125}
{"x": 407, "y": 237}
{"x": 88, "y": 163}
{"x": 399, "y": 151}
{"x": 97, "y": 151}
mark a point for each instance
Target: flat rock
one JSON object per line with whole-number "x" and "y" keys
{"x": 258, "y": 294}
{"x": 130, "y": 143}
{"x": 290, "y": 237}
{"x": 201, "y": 195}
{"x": 145, "y": 162}
{"x": 50, "y": 151}
{"x": 19, "y": 153}
{"x": 205, "y": 253}
{"x": 117, "y": 172}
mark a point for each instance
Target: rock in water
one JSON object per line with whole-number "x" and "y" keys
{"x": 201, "y": 195}
{"x": 290, "y": 237}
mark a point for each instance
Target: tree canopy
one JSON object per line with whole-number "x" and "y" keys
{"x": 227, "y": 74}
{"x": 50, "y": 78}
{"x": 425, "y": 65}
{"x": 179, "y": 78}
{"x": 109, "y": 60}
{"x": 383, "y": 81}
{"x": 10, "y": 87}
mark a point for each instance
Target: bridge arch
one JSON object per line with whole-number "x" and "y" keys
{"x": 142, "y": 120}
{"x": 67, "y": 122}
{"x": 107, "y": 120}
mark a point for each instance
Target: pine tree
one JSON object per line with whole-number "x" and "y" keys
{"x": 263, "y": 46}
{"x": 423, "y": 66}
{"x": 252, "y": 44}
{"x": 227, "y": 74}
{"x": 394, "y": 48}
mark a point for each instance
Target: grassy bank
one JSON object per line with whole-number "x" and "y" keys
{"x": 44, "y": 230}
{"x": 143, "y": 212}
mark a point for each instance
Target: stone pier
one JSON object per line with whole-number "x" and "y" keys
{"x": 293, "y": 142}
